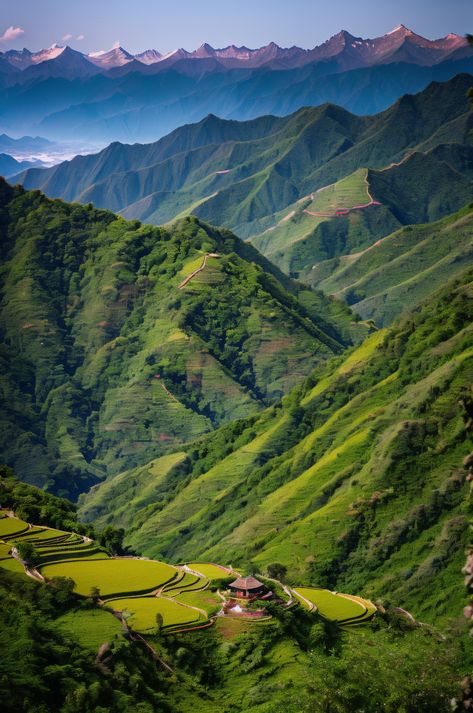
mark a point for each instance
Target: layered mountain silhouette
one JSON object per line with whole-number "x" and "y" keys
{"x": 115, "y": 95}
{"x": 305, "y": 189}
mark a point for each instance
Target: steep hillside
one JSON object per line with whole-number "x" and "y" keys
{"x": 121, "y": 340}
{"x": 313, "y": 186}
{"x": 351, "y": 215}
{"x": 400, "y": 270}
{"x": 355, "y": 481}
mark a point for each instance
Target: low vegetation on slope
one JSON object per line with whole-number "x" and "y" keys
{"x": 110, "y": 354}
{"x": 354, "y": 481}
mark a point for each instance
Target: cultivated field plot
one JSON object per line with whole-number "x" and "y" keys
{"x": 91, "y": 627}
{"x": 140, "y": 612}
{"x": 112, "y": 576}
{"x": 42, "y": 534}
{"x": 206, "y": 600}
{"x": 337, "y": 607}
{"x": 11, "y": 564}
{"x": 4, "y": 550}
{"x": 346, "y": 194}
{"x": 185, "y": 582}
{"x": 210, "y": 570}
{"x": 10, "y": 526}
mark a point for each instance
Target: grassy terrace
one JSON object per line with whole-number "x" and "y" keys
{"x": 10, "y": 526}
{"x": 141, "y": 589}
{"x": 91, "y": 627}
{"x": 341, "y": 608}
{"x": 141, "y": 612}
{"x": 112, "y": 576}
{"x": 210, "y": 570}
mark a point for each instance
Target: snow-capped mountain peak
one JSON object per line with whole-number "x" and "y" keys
{"x": 114, "y": 57}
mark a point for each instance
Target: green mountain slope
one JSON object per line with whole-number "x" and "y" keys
{"x": 356, "y": 211}
{"x": 355, "y": 481}
{"x": 400, "y": 270}
{"x": 62, "y": 653}
{"x": 265, "y": 178}
{"x": 110, "y": 354}
{"x": 241, "y": 173}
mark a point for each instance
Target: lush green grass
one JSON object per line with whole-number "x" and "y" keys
{"x": 143, "y": 611}
{"x": 335, "y": 606}
{"x": 89, "y": 627}
{"x": 112, "y": 576}
{"x": 11, "y": 564}
{"x": 210, "y": 570}
{"x": 10, "y": 526}
{"x": 207, "y": 600}
{"x": 4, "y": 550}
{"x": 403, "y": 268}
{"x": 41, "y": 536}
{"x": 189, "y": 582}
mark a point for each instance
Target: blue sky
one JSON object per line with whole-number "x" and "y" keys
{"x": 166, "y": 24}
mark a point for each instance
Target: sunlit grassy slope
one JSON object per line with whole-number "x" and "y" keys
{"x": 354, "y": 482}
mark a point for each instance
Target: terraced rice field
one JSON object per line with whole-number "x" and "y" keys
{"x": 140, "y": 612}
{"x": 342, "y": 195}
{"x": 183, "y": 598}
{"x": 344, "y": 609}
{"x": 4, "y": 550}
{"x": 41, "y": 534}
{"x": 11, "y": 564}
{"x": 10, "y": 526}
{"x": 185, "y": 582}
{"x": 112, "y": 576}
{"x": 210, "y": 570}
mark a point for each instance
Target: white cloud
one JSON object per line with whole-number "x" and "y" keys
{"x": 67, "y": 37}
{"x": 116, "y": 45}
{"x": 80, "y": 37}
{"x": 12, "y": 33}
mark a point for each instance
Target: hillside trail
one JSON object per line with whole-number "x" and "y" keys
{"x": 285, "y": 588}
{"x": 166, "y": 391}
{"x": 199, "y": 269}
{"x": 311, "y": 605}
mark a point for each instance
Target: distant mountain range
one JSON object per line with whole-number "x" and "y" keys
{"x": 10, "y": 166}
{"x": 306, "y": 189}
{"x": 401, "y": 44}
{"x": 115, "y": 95}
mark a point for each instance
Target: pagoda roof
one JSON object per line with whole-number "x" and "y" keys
{"x": 246, "y": 583}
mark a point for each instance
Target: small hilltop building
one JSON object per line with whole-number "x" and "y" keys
{"x": 248, "y": 588}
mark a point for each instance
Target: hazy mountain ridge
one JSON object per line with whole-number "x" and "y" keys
{"x": 261, "y": 177}
{"x": 355, "y": 51}
{"x": 112, "y": 95}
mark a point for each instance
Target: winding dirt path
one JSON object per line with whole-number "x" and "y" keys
{"x": 199, "y": 269}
